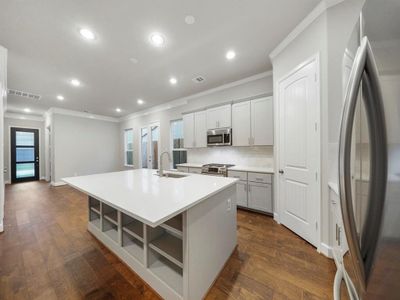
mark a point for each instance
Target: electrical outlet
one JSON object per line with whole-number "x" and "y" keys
{"x": 229, "y": 202}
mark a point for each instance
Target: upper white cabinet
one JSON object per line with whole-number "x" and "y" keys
{"x": 200, "y": 129}
{"x": 219, "y": 117}
{"x": 188, "y": 130}
{"x": 194, "y": 130}
{"x": 241, "y": 127}
{"x": 252, "y": 122}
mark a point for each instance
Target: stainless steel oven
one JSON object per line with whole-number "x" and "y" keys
{"x": 219, "y": 137}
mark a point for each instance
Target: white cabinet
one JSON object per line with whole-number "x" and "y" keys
{"x": 200, "y": 129}
{"x": 260, "y": 197}
{"x": 194, "y": 170}
{"x": 262, "y": 121}
{"x": 241, "y": 127}
{"x": 252, "y": 122}
{"x": 195, "y": 130}
{"x": 254, "y": 190}
{"x": 241, "y": 193}
{"x": 219, "y": 117}
{"x": 183, "y": 169}
{"x": 188, "y": 130}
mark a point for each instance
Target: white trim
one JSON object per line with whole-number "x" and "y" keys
{"x": 42, "y": 178}
{"x": 74, "y": 113}
{"x": 307, "y": 21}
{"x": 9, "y": 147}
{"x": 326, "y": 250}
{"x": 12, "y": 115}
{"x": 276, "y": 218}
{"x": 316, "y": 58}
{"x": 58, "y": 183}
{"x": 185, "y": 100}
{"x": 7, "y": 182}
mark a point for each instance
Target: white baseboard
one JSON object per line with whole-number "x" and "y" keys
{"x": 276, "y": 218}
{"x": 58, "y": 183}
{"x": 326, "y": 250}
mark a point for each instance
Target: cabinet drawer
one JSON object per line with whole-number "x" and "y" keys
{"x": 260, "y": 177}
{"x": 195, "y": 170}
{"x": 182, "y": 169}
{"x": 237, "y": 174}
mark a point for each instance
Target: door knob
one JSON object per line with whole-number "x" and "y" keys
{"x": 281, "y": 171}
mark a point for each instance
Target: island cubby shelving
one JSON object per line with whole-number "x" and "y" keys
{"x": 159, "y": 254}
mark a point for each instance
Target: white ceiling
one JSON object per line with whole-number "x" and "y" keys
{"x": 46, "y": 50}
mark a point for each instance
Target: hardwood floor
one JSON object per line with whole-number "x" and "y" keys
{"x": 47, "y": 253}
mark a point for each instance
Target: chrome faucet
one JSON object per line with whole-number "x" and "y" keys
{"x": 160, "y": 167}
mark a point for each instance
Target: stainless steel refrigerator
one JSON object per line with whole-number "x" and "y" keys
{"x": 369, "y": 155}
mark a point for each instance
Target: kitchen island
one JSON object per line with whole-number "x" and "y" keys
{"x": 176, "y": 232}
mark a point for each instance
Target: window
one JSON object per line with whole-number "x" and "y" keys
{"x": 179, "y": 154}
{"x": 128, "y": 145}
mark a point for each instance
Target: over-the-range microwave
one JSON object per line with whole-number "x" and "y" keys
{"x": 219, "y": 137}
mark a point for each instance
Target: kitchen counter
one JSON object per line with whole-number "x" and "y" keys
{"x": 252, "y": 169}
{"x": 147, "y": 197}
{"x": 175, "y": 233}
{"x": 190, "y": 165}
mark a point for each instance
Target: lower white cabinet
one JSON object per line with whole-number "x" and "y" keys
{"x": 260, "y": 196}
{"x": 183, "y": 169}
{"x": 254, "y": 190}
{"x": 241, "y": 193}
{"x": 195, "y": 170}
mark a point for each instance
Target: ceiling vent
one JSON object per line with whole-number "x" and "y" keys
{"x": 199, "y": 79}
{"x": 24, "y": 94}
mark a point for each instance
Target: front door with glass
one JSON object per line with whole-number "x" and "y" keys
{"x": 24, "y": 154}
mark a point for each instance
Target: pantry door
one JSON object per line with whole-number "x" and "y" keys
{"x": 150, "y": 145}
{"x": 299, "y": 151}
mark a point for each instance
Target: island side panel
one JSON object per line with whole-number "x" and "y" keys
{"x": 211, "y": 238}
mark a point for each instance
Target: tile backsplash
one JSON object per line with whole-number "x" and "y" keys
{"x": 262, "y": 156}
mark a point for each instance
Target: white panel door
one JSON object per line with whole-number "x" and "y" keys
{"x": 188, "y": 130}
{"x": 260, "y": 196}
{"x": 299, "y": 192}
{"x": 241, "y": 129}
{"x": 241, "y": 193}
{"x": 200, "y": 129}
{"x": 262, "y": 121}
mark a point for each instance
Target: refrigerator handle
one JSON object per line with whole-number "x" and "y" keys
{"x": 364, "y": 68}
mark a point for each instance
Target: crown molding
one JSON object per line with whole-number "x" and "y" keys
{"x": 323, "y": 6}
{"x": 74, "y": 113}
{"x": 185, "y": 100}
{"x": 11, "y": 115}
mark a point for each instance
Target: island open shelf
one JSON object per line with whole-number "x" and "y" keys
{"x": 177, "y": 243}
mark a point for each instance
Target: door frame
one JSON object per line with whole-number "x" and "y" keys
{"x": 278, "y": 203}
{"x": 148, "y": 126}
{"x": 9, "y": 149}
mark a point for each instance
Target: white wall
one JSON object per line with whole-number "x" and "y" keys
{"x": 12, "y": 122}
{"x": 233, "y": 92}
{"x": 3, "y": 103}
{"x": 83, "y": 146}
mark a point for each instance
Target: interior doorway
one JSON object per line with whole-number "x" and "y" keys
{"x": 24, "y": 154}
{"x": 149, "y": 146}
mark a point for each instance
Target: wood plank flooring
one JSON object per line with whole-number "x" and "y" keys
{"x": 47, "y": 253}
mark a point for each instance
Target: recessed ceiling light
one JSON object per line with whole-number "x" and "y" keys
{"x": 87, "y": 33}
{"x": 75, "y": 82}
{"x": 230, "y": 55}
{"x": 27, "y": 110}
{"x": 157, "y": 39}
{"x": 190, "y": 20}
{"x": 173, "y": 81}
{"x": 140, "y": 101}
{"x": 60, "y": 97}
{"x": 118, "y": 109}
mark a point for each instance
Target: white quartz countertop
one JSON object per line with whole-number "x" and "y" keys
{"x": 147, "y": 197}
{"x": 252, "y": 169}
{"x": 190, "y": 165}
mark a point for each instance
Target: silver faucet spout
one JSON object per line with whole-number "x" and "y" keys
{"x": 160, "y": 167}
